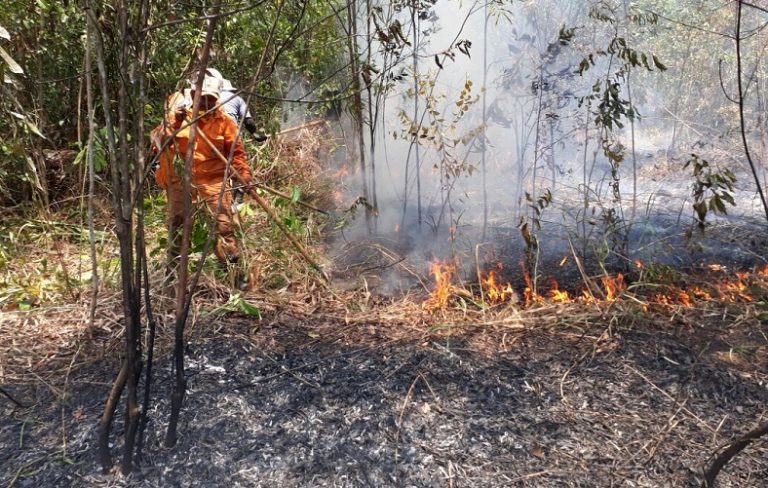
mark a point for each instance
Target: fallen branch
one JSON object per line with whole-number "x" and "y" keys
{"x": 9, "y": 397}
{"x": 733, "y": 448}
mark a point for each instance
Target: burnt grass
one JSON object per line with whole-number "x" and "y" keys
{"x": 292, "y": 403}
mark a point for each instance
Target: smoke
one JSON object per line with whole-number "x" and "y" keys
{"x": 510, "y": 120}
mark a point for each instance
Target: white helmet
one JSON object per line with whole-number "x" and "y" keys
{"x": 226, "y": 85}
{"x": 211, "y": 86}
{"x": 214, "y": 73}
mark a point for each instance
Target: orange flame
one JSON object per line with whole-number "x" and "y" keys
{"x": 495, "y": 292}
{"x": 558, "y": 295}
{"x": 734, "y": 290}
{"x": 443, "y": 273}
{"x": 700, "y": 293}
{"x": 563, "y": 261}
{"x": 342, "y": 172}
{"x": 613, "y": 286}
{"x": 676, "y": 296}
{"x": 529, "y": 295}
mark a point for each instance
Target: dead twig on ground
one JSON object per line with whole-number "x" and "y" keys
{"x": 670, "y": 397}
{"x": 732, "y": 449}
{"x": 10, "y": 397}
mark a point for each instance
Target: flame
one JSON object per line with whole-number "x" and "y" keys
{"x": 397, "y": 228}
{"x": 443, "y": 272}
{"x": 684, "y": 298}
{"x": 342, "y": 172}
{"x": 529, "y": 295}
{"x": 557, "y": 295}
{"x": 675, "y": 296}
{"x": 734, "y": 287}
{"x": 701, "y": 293}
{"x": 494, "y": 292}
{"x": 563, "y": 261}
{"x": 587, "y": 296}
{"x": 734, "y": 290}
{"x": 613, "y": 286}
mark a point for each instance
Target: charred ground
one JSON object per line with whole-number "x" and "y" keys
{"x": 552, "y": 396}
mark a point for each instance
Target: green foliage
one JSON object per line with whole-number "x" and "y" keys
{"x": 309, "y": 58}
{"x": 439, "y": 133}
{"x": 99, "y": 154}
{"x": 611, "y": 108}
{"x": 350, "y": 213}
{"x": 711, "y": 190}
{"x": 46, "y": 41}
{"x": 237, "y": 304}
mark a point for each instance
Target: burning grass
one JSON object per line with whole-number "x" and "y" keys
{"x": 708, "y": 283}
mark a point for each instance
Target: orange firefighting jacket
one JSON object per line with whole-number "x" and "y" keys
{"x": 207, "y": 168}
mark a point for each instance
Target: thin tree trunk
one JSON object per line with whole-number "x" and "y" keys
{"x": 42, "y": 171}
{"x": 105, "y": 422}
{"x": 733, "y": 448}
{"x": 585, "y": 185}
{"x": 129, "y": 262}
{"x": 177, "y": 397}
{"x": 483, "y": 168}
{"x": 122, "y": 211}
{"x": 741, "y": 112}
{"x": 371, "y": 119}
{"x": 357, "y": 103}
{"x": 91, "y": 179}
{"x": 142, "y": 271}
{"x": 417, "y": 149}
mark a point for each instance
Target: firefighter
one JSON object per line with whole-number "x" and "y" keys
{"x": 235, "y": 106}
{"x": 208, "y": 170}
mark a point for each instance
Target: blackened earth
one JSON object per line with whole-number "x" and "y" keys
{"x": 295, "y": 406}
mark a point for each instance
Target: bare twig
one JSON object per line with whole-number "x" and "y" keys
{"x": 13, "y": 400}
{"x": 733, "y": 448}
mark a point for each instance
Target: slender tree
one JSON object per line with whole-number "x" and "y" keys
{"x": 742, "y": 125}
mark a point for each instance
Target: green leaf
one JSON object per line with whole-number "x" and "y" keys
{"x": 295, "y": 194}
{"x": 719, "y": 205}
{"x": 701, "y": 210}
{"x": 248, "y": 309}
{"x": 79, "y": 158}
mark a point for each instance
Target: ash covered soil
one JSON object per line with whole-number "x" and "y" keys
{"x": 297, "y": 404}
